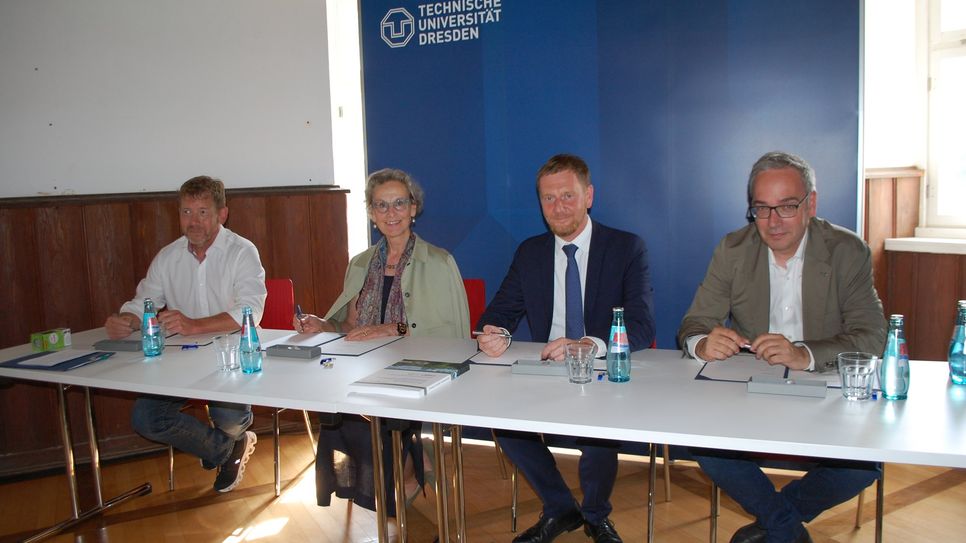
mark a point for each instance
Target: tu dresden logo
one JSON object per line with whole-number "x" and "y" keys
{"x": 397, "y": 27}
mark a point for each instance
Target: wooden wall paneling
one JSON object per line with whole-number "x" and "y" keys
{"x": 63, "y": 267}
{"x": 33, "y": 438}
{"x": 879, "y": 225}
{"x": 902, "y": 282}
{"x": 113, "y": 277}
{"x": 153, "y": 225}
{"x": 20, "y": 277}
{"x": 330, "y": 257}
{"x": 935, "y": 291}
{"x": 906, "y": 207}
{"x": 248, "y": 218}
{"x": 290, "y": 244}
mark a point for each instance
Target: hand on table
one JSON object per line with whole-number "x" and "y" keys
{"x": 119, "y": 326}
{"x": 493, "y": 341}
{"x": 777, "y": 349}
{"x": 371, "y": 331}
{"x": 720, "y": 344}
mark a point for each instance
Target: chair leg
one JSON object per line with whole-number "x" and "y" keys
{"x": 170, "y": 468}
{"x": 278, "y": 467}
{"x": 308, "y": 430}
{"x": 651, "y": 481}
{"x": 667, "y": 474}
{"x": 715, "y": 499}
{"x": 879, "y": 504}
{"x": 858, "y": 509}
{"x": 500, "y": 457}
{"x": 514, "y": 496}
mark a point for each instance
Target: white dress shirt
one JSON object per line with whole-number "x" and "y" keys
{"x": 558, "y": 326}
{"x": 785, "y": 301}
{"x": 229, "y": 278}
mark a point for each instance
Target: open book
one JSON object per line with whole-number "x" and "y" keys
{"x": 402, "y": 383}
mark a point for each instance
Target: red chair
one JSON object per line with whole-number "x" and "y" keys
{"x": 279, "y": 305}
{"x": 476, "y": 298}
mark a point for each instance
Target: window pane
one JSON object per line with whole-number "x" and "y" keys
{"x": 949, "y": 114}
{"x": 952, "y": 15}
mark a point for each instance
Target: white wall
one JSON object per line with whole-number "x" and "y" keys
{"x": 100, "y": 96}
{"x": 895, "y": 101}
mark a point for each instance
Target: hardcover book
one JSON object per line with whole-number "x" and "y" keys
{"x": 454, "y": 369}
{"x": 403, "y": 383}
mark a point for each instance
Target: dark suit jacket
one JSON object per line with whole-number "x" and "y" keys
{"x": 617, "y": 275}
{"x": 841, "y": 310}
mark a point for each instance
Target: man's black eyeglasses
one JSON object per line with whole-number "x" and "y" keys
{"x": 785, "y": 211}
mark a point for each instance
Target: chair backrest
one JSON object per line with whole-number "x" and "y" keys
{"x": 476, "y": 298}
{"x": 279, "y": 304}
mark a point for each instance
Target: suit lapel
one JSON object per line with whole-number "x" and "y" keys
{"x": 816, "y": 279}
{"x": 595, "y": 263}
{"x": 760, "y": 288}
{"x": 543, "y": 264}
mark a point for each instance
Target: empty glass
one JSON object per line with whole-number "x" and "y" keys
{"x": 580, "y": 361}
{"x": 226, "y": 351}
{"x": 856, "y": 371}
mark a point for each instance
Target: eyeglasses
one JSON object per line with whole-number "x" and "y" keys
{"x": 399, "y": 204}
{"x": 785, "y": 211}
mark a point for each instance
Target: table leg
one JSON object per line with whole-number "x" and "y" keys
{"x": 378, "y": 481}
{"x": 456, "y": 434}
{"x": 652, "y": 480}
{"x": 102, "y": 506}
{"x": 399, "y": 478}
{"x": 442, "y": 503}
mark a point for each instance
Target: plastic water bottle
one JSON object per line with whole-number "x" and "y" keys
{"x": 152, "y": 340}
{"x": 618, "y": 350}
{"x": 957, "y": 347}
{"x": 250, "y": 348}
{"x": 894, "y": 368}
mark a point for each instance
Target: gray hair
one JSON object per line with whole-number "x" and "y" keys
{"x": 386, "y": 175}
{"x": 777, "y": 160}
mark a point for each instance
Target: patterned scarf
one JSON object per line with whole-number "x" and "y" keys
{"x": 370, "y": 297}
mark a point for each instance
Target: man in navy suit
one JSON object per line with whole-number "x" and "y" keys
{"x": 600, "y": 268}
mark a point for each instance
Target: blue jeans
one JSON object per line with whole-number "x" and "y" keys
{"x": 159, "y": 418}
{"x": 781, "y": 513}
{"x": 597, "y": 469}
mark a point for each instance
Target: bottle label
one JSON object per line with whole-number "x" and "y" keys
{"x": 154, "y": 327}
{"x": 618, "y": 340}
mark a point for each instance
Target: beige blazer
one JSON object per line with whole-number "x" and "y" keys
{"x": 841, "y": 312}
{"x": 432, "y": 288}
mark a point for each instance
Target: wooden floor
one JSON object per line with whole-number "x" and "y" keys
{"x": 922, "y": 504}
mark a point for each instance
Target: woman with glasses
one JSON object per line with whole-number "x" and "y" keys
{"x": 400, "y": 286}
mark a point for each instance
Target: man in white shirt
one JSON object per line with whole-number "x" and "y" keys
{"x": 794, "y": 290}
{"x": 202, "y": 280}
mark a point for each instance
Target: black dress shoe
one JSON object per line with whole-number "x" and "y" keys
{"x": 548, "y": 528}
{"x": 752, "y": 533}
{"x": 602, "y": 532}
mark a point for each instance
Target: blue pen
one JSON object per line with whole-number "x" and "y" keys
{"x": 326, "y": 362}
{"x": 188, "y": 347}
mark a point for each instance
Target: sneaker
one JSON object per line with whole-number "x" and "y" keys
{"x": 231, "y": 472}
{"x": 206, "y": 466}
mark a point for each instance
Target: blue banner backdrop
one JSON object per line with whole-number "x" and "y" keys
{"x": 669, "y": 102}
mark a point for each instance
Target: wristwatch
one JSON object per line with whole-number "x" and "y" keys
{"x": 401, "y": 328}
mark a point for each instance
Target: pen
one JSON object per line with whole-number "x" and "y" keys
{"x": 298, "y": 312}
{"x": 326, "y": 362}
{"x": 501, "y": 334}
{"x": 188, "y": 347}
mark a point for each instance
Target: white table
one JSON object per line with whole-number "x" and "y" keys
{"x": 662, "y": 403}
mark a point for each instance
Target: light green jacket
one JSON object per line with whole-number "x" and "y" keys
{"x": 432, "y": 289}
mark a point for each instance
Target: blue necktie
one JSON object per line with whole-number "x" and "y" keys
{"x": 575, "y": 306}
